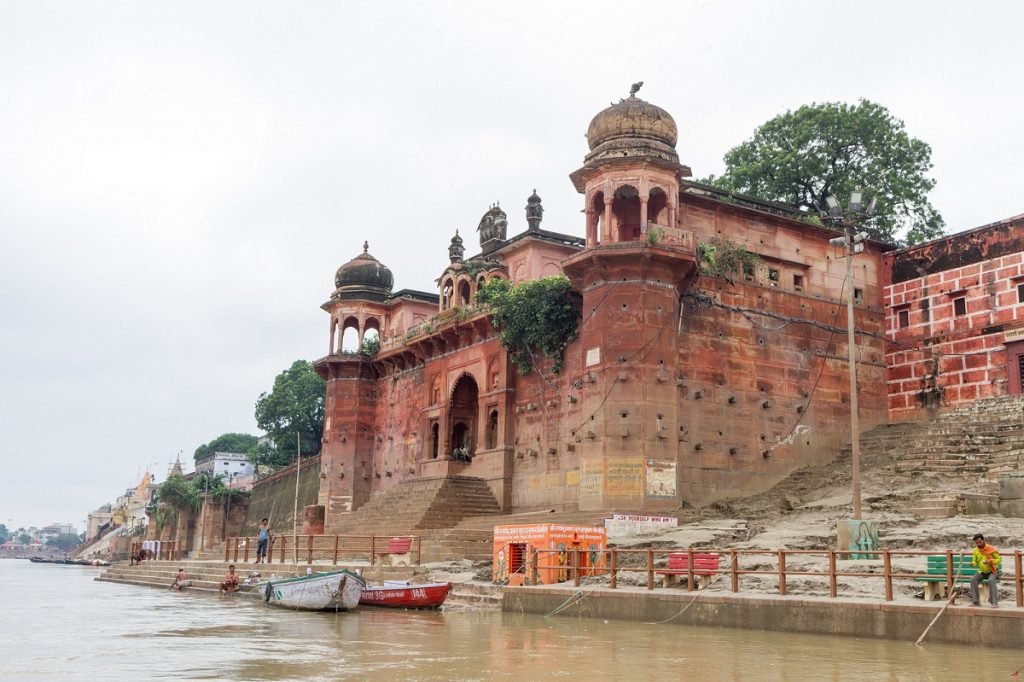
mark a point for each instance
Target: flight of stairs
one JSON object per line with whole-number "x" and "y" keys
{"x": 978, "y": 441}
{"x": 415, "y": 505}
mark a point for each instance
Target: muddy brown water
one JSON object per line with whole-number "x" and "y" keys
{"x": 57, "y": 623}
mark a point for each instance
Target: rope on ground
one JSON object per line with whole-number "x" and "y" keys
{"x": 575, "y": 598}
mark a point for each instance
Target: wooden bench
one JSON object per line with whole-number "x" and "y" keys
{"x": 397, "y": 552}
{"x": 705, "y": 568}
{"x": 937, "y": 580}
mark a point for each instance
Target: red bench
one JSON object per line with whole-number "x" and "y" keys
{"x": 396, "y": 553}
{"x": 705, "y": 568}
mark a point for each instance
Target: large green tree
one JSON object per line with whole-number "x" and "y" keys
{"x": 228, "y": 442}
{"x": 5, "y": 534}
{"x": 294, "y": 406}
{"x": 803, "y": 156}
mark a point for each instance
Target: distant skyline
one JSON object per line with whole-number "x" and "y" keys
{"x": 179, "y": 182}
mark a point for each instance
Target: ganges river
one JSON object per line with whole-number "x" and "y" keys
{"x": 57, "y": 623}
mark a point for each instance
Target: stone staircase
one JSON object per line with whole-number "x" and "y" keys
{"x": 974, "y": 444}
{"x": 978, "y": 441}
{"x": 417, "y": 505}
{"x": 206, "y": 577}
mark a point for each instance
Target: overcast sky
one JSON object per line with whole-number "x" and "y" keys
{"x": 179, "y": 181}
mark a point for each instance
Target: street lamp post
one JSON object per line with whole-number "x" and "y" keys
{"x": 852, "y": 243}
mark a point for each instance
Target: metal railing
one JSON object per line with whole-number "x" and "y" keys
{"x": 333, "y": 547}
{"x": 576, "y": 564}
{"x": 163, "y": 550}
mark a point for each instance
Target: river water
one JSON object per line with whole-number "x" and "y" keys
{"x": 57, "y": 623}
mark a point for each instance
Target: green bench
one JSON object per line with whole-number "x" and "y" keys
{"x": 937, "y": 580}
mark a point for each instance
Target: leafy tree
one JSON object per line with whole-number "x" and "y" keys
{"x": 25, "y": 539}
{"x": 228, "y": 442}
{"x": 803, "y": 156}
{"x": 63, "y": 543}
{"x": 295, "y": 405}
{"x": 178, "y": 493}
{"x": 214, "y": 486}
{"x": 539, "y": 315}
{"x": 5, "y": 534}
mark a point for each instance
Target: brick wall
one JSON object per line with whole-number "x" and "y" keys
{"x": 949, "y": 305}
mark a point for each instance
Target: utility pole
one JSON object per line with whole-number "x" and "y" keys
{"x": 295, "y": 512}
{"x": 852, "y": 243}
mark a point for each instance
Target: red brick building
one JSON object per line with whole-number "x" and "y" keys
{"x": 955, "y": 319}
{"x": 682, "y": 386}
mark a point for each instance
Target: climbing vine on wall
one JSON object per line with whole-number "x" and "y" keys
{"x": 723, "y": 258}
{"x": 536, "y": 316}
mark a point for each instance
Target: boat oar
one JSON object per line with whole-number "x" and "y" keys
{"x": 952, "y": 596}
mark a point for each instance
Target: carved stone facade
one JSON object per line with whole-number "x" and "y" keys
{"x": 681, "y": 388}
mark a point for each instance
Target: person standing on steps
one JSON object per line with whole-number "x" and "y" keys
{"x": 988, "y": 562}
{"x": 262, "y": 541}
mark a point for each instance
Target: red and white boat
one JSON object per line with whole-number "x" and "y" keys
{"x": 402, "y": 594}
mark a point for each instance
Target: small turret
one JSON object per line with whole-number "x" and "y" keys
{"x": 455, "y": 249}
{"x": 534, "y": 212}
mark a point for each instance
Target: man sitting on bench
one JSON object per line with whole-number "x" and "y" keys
{"x": 987, "y": 560}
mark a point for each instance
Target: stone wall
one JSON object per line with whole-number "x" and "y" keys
{"x": 273, "y": 497}
{"x": 942, "y": 356}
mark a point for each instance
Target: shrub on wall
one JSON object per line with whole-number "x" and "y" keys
{"x": 536, "y": 316}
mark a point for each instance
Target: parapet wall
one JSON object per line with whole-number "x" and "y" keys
{"x": 818, "y": 616}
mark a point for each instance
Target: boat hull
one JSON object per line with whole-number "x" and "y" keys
{"x": 335, "y": 591}
{"x": 406, "y": 596}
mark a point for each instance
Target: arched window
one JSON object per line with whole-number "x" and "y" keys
{"x": 626, "y": 207}
{"x": 435, "y": 439}
{"x": 447, "y": 289}
{"x": 350, "y": 335}
{"x": 492, "y": 430}
{"x": 657, "y": 207}
{"x": 464, "y": 293}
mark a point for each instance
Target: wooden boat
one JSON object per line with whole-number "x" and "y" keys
{"x": 402, "y": 594}
{"x": 334, "y": 591}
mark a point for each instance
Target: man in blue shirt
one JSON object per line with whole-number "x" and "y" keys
{"x": 262, "y": 541}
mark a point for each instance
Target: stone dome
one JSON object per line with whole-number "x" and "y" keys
{"x": 633, "y": 127}
{"x": 363, "y": 277}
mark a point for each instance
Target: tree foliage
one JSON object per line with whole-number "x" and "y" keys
{"x": 178, "y": 493}
{"x": 294, "y": 406}
{"x": 803, "y": 156}
{"x": 227, "y": 442}
{"x": 370, "y": 346}
{"x": 63, "y": 543}
{"x": 723, "y": 258}
{"x": 5, "y": 534}
{"x": 536, "y": 316}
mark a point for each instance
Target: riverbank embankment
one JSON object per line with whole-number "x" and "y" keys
{"x": 898, "y": 620}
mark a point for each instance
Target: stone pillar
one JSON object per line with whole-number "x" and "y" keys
{"x": 607, "y": 229}
{"x": 643, "y": 213}
{"x": 591, "y": 227}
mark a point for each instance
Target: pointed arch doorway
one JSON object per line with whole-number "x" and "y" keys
{"x": 462, "y": 428}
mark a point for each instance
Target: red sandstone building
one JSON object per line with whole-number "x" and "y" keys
{"x": 682, "y": 387}
{"x": 955, "y": 319}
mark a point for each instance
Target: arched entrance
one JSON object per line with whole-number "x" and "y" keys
{"x": 462, "y": 418}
